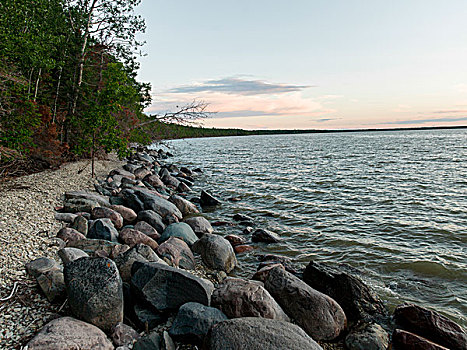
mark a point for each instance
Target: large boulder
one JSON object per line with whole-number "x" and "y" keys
{"x": 103, "y": 229}
{"x": 368, "y": 336}
{"x": 154, "y": 181}
{"x": 252, "y": 333}
{"x": 200, "y": 225}
{"x": 75, "y": 205}
{"x": 99, "y": 247}
{"x": 67, "y": 333}
{"x": 81, "y": 224}
{"x": 131, "y": 200}
{"x": 403, "y": 340}
{"x": 69, "y": 254}
{"x": 356, "y": 299}
{"x": 42, "y": 265}
{"x": 132, "y": 237}
{"x": 431, "y": 325}
{"x": 193, "y": 322}
{"x": 180, "y": 230}
{"x": 94, "y": 289}
{"x": 177, "y": 253}
{"x": 158, "y": 204}
{"x": 153, "y": 219}
{"x": 216, "y": 252}
{"x": 139, "y": 252}
{"x": 68, "y": 234}
{"x": 262, "y": 235}
{"x": 128, "y": 214}
{"x": 103, "y": 213}
{"x": 168, "y": 288}
{"x": 243, "y": 298}
{"x": 101, "y": 200}
{"x": 52, "y": 284}
{"x": 318, "y": 314}
{"x": 148, "y": 230}
{"x": 185, "y": 206}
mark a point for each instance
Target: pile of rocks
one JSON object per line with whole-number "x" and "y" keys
{"x": 131, "y": 279}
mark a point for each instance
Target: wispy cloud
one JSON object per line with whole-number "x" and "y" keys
{"x": 238, "y": 86}
{"x": 430, "y": 120}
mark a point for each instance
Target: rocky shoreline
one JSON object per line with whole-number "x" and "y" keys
{"x": 141, "y": 268}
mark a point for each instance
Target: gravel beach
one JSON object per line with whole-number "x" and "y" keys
{"x": 27, "y": 231}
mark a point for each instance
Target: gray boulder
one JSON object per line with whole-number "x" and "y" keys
{"x": 177, "y": 253}
{"x": 148, "y": 230}
{"x": 357, "y": 300}
{"x": 217, "y": 253}
{"x": 139, "y": 252}
{"x": 65, "y": 217}
{"x": 102, "y": 200}
{"x": 153, "y": 219}
{"x": 42, "y": 265}
{"x": 75, "y": 205}
{"x": 103, "y": 213}
{"x": 185, "y": 206}
{"x": 367, "y": 337}
{"x": 193, "y": 322}
{"x": 168, "y": 288}
{"x": 154, "y": 181}
{"x": 262, "y": 235}
{"x": 52, "y": 284}
{"x": 71, "y": 254}
{"x": 80, "y": 224}
{"x": 124, "y": 335}
{"x": 99, "y": 247}
{"x": 67, "y": 333}
{"x": 243, "y": 298}
{"x": 200, "y": 225}
{"x": 318, "y": 314}
{"x": 103, "y": 229}
{"x": 131, "y": 200}
{"x": 152, "y": 341}
{"x": 170, "y": 180}
{"x": 158, "y": 204}
{"x": 94, "y": 289}
{"x": 253, "y": 333}
{"x": 132, "y": 237}
{"x": 180, "y": 230}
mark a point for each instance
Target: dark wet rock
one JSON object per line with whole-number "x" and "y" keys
{"x": 222, "y": 223}
{"x": 80, "y": 224}
{"x": 164, "y": 172}
{"x": 183, "y": 187}
{"x": 103, "y": 229}
{"x": 102, "y": 200}
{"x": 107, "y": 213}
{"x": 217, "y": 253}
{"x": 158, "y": 204}
{"x": 248, "y": 230}
{"x": 177, "y": 253}
{"x": 208, "y": 200}
{"x": 74, "y": 205}
{"x": 153, "y": 219}
{"x": 185, "y": 170}
{"x": 42, "y": 265}
{"x": 151, "y": 341}
{"x": 368, "y": 336}
{"x": 128, "y": 214}
{"x": 65, "y": 217}
{"x": 91, "y": 246}
{"x": 132, "y": 237}
{"x": 253, "y": 333}
{"x": 431, "y": 325}
{"x": 198, "y": 170}
{"x": 94, "y": 289}
{"x": 185, "y": 206}
{"x": 170, "y": 181}
{"x": 147, "y": 317}
{"x": 193, "y": 322}
{"x": 102, "y": 189}
{"x": 355, "y": 297}
{"x": 131, "y": 200}
{"x": 318, "y": 314}
{"x": 262, "y": 274}
{"x": 148, "y": 230}
{"x": 141, "y": 173}
{"x": 244, "y": 248}
{"x": 403, "y": 340}
{"x": 67, "y": 333}
{"x": 71, "y": 254}
{"x": 52, "y": 284}
{"x": 237, "y": 297}
{"x": 124, "y": 335}
{"x": 141, "y": 253}
{"x": 68, "y": 235}
{"x": 180, "y": 230}
{"x": 242, "y": 217}
{"x": 235, "y": 240}
{"x": 168, "y": 288}
{"x": 200, "y": 225}
{"x": 272, "y": 259}
{"x": 266, "y": 236}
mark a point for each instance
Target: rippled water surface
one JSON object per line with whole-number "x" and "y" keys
{"x": 391, "y": 204}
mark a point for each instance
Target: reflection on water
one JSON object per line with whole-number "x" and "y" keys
{"x": 392, "y": 204}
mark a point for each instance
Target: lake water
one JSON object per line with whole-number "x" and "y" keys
{"x": 391, "y": 204}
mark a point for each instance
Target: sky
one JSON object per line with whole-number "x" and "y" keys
{"x": 311, "y": 64}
